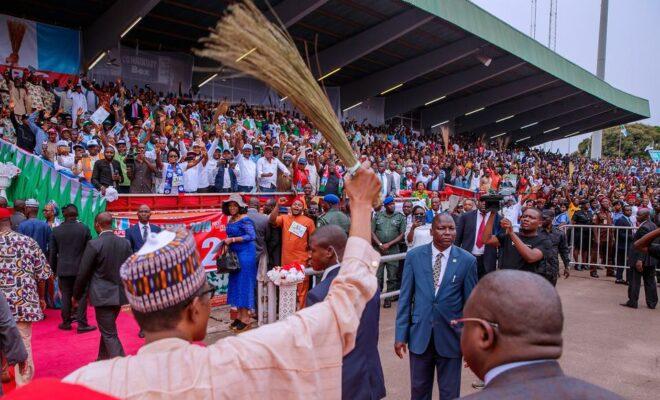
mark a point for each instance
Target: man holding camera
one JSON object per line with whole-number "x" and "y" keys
{"x": 469, "y": 233}
{"x": 525, "y": 251}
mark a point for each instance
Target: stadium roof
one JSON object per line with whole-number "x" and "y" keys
{"x": 426, "y": 57}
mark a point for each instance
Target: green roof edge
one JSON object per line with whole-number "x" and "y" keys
{"x": 484, "y": 25}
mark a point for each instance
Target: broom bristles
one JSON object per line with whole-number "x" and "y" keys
{"x": 246, "y": 41}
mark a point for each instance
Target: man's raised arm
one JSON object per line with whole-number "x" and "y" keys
{"x": 309, "y": 345}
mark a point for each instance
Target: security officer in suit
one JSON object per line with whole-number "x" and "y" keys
{"x": 138, "y": 233}
{"x": 469, "y": 225}
{"x": 516, "y": 354}
{"x": 642, "y": 266}
{"x": 437, "y": 280}
{"x": 67, "y": 244}
{"x": 362, "y": 373}
{"x": 99, "y": 270}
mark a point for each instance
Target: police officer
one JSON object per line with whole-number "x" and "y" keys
{"x": 559, "y": 247}
{"x": 388, "y": 228}
{"x": 334, "y": 215}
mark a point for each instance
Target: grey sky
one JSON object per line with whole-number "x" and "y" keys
{"x": 633, "y": 43}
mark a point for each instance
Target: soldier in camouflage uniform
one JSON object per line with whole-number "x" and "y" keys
{"x": 388, "y": 228}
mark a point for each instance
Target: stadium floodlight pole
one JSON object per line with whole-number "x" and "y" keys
{"x": 597, "y": 136}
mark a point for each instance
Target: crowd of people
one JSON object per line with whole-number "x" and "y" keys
{"x": 158, "y": 143}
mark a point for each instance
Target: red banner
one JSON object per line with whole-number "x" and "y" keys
{"x": 192, "y": 201}
{"x": 208, "y": 228}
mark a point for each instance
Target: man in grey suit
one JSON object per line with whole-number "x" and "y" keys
{"x": 262, "y": 231}
{"x": 386, "y": 181}
{"x": 511, "y": 337}
{"x": 99, "y": 269}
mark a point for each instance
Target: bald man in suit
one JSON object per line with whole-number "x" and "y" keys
{"x": 511, "y": 337}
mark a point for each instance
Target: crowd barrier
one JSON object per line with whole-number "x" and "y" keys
{"x": 268, "y": 299}
{"x": 605, "y": 246}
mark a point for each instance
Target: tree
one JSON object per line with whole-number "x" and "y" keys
{"x": 639, "y": 137}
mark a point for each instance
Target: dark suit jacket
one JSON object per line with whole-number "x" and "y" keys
{"x": 102, "y": 175}
{"x": 465, "y": 237}
{"x": 99, "y": 268}
{"x": 623, "y": 233}
{"x": 362, "y": 373}
{"x": 67, "y": 244}
{"x": 647, "y": 259}
{"x": 134, "y": 235}
{"x": 540, "y": 381}
{"x": 422, "y": 314}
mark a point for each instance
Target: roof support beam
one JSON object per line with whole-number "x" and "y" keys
{"x": 292, "y": 11}
{"x": 406, "y": 100}
{"x": 538, "y": 115}
{"x": 465, "y": 105}
{"x": 373, "y": 38}
{"x": 561, "y": 122}
{"x": 408, "y": 70}
{"x": 104, "y": 33}
{"x": 603, "y": 120}
{"x": 288, "y": 11}
{"x": 512, "y": 107}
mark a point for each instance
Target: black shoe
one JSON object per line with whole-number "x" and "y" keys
{"x": 594, "y": 274}
{"x": 141, "y": 334}
{"x": 233, "y": 324}
{"x": 626, "y": 304}
{"x": 387, "y": 303}
{"x": 85, "y": 328}
{"x": 242, "y": 327}
{"x": 651, "y": 307}
{"x": 64, "y": 327}
{"x": 620, "y": 282}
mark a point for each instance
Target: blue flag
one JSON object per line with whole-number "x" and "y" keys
{"x": 624, "y": 131}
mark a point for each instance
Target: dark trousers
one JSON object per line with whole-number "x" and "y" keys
{"x": 245, "y": 189}
{"x": 650, "y": 289}
{"x": 422, "y": 367}
{"x": 481, "y": 269}
{"x": 621, "y": 260}
{"x": 123, "y": 189}
{"x": 109, "y": 346}
{"x": 66, "y": 288}
{"x": 267, "y": 189}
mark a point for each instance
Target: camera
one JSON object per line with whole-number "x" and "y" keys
{"x": 493, "y": 201}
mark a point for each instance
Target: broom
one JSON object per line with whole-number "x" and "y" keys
{"x": 245, "y": 40}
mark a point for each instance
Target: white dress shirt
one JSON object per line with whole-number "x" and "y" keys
{"x": 269, "y": 167}
{"x": 443, "y": 261}
{"x": 490, "y": 375}
{"x": 478, "y": 251}
{"x": 248, "y": 171}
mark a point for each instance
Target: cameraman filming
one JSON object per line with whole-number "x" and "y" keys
{"x": 525, "y": 251}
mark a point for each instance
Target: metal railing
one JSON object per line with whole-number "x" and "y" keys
{"x": 606, "y": 246}
{"x": 268, "y": 301}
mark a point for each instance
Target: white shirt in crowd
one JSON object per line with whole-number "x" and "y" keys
{"x": 247, "y": 174}
{"x": 205, "y": 179}
{"x": 478, "y": 251}
{"x": 78, "y": 101}
{"x": 512, "y": 213}
{"x": 269, "y": 167}
{"x": 191, "y": 178}
{"x": 421, "y": 236}
{"x": 396, "y": 178}
{"x": 443, "y": 262}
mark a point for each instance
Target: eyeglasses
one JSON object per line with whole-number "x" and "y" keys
{"x": 459, "y": 323}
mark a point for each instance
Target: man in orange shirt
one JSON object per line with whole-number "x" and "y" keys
{"x": 296, "y": 230}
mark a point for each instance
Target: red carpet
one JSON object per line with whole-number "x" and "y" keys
{"x": 57, "y": 353}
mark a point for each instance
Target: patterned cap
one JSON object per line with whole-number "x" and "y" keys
{"x": 165, "y": 272}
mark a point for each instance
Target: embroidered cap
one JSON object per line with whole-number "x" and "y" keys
{"x": 166, "y": 271}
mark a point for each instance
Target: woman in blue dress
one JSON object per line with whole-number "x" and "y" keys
{"x": 241, "y": 240}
